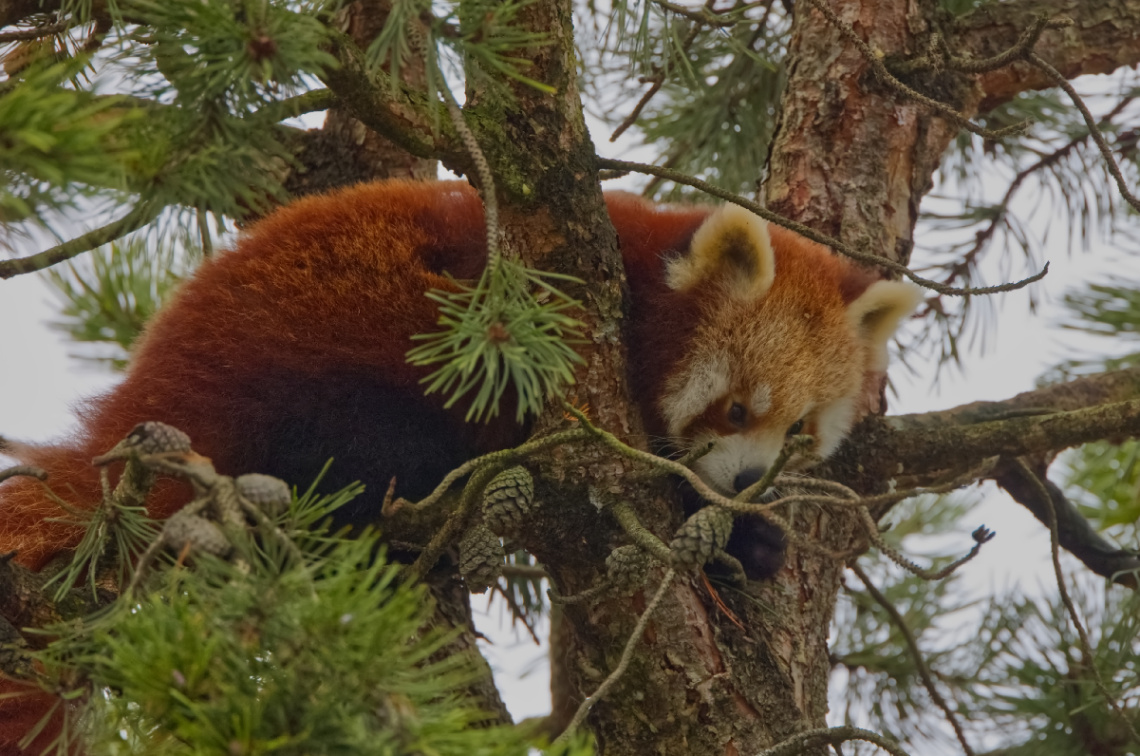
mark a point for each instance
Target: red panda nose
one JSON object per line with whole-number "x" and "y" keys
{"x": 745, "y": 478}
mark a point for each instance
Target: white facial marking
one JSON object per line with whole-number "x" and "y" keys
{"x": 732, "y": 455}
{"x": 690, "y": 393}
{"x": 832, "y": 425}
{"x": 761, "y": 400}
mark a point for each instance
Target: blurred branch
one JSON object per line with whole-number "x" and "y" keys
{"x": 983, "y": 237}
{"x": 138, "y": 217}
{"x": 21, "y": 35}
{"x": 1049, "y": 504}
{"x": 1074, "y": 616}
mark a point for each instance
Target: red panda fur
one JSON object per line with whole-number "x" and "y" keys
{"x": 283, "y": 351}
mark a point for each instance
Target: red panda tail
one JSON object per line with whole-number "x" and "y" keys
{"x": 26, "y": 503}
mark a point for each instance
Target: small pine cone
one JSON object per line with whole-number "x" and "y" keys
{"x": 701, "y": 536}
{"x": 481, "y": 558}
{"x": 507, "y": 500}
{"x": 626, "y": 568}
{"x": 270, "y": 495}
{"x": 154, "y": 437}
{"x": 197, "y": 532}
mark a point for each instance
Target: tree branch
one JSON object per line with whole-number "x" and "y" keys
{"x": 391, "y": 109}
{"x": 1074, "y": 531}
{"x": 1102, "y": 39}
{"x": 141, "y": 215}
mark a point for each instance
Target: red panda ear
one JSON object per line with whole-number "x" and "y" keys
{"x": 731, "y": 248}
{"x": 876, "y": 315}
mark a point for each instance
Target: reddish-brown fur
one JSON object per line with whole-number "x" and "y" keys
{"x": 276, "y": 354}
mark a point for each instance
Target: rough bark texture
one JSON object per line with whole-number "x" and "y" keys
{"x": 351, "y": 151}
{"x": 853, "y": 160}
{"x": 1105, "y": 35}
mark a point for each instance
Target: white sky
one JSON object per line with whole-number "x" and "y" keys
{"x": 39, "y": 383}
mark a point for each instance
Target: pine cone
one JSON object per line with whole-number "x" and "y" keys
{"x": 481, "y": 558}
{"x": 153, "y": 437}
{"x": 271, "y": 495}
{"x": 508, "y": 500}
{"x": 626, "y": 568}
{"x": 199, "y": 533}
{"x": 701, "y": 536}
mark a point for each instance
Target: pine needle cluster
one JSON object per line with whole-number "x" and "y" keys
{"x": 332, "y": 655}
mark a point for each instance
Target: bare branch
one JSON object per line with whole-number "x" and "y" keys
{"x": 816, "y": 236}
{"x": 142, "y": 214}
{"x": 391, "y": 109}
{"x": 1100, "y": 40}
{"x": 799, "y": 742}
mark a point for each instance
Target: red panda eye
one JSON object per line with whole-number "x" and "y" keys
{"x": 737, "y": 414}
{"x": 797, "y": 426}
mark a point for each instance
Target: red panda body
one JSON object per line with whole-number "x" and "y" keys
{"x": 290, "y": 349}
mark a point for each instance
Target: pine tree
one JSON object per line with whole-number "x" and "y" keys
{"x": 175, "y": 120}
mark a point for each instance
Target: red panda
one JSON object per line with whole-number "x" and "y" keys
{"x": 290, "y": 349}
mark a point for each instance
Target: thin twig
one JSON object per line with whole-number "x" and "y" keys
{"x": 472, "y": 494}
{"x": 623, "y": 664}
{"x": 982, "y": 238}
{"x": 24, "y": 470}
{"x": 916, "y": 654}
{"x": 814, "y": 235}
{"x": 940, "y": 56}
{"x": 638, "y": 533}
{"x": 1070, "y": 607}
{"x": 486, "y": 178}
{"x": 1094, "y": 132}
{"x": 790, "y": 448}
{"x": 525, "y": 571}
{"x": 981, "y": 535}
{"x": 500, "y": 458}
{"x": 139, "y": 216}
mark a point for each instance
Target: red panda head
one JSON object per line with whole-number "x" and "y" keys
{"x": 778, "y": 348}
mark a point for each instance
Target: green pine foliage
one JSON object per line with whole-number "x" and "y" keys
{"x": 1041, "y": 693}
{"x": 496, "y": 335}
{"x": 107, "y": 297}
{"x": 335, "y": 655}
{"x": 60, "y": 143}
{"x": 715, "y": 113}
